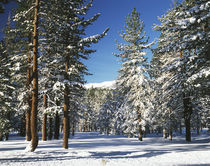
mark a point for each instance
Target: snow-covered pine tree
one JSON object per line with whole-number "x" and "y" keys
{"x": 189, "y": 41}
{"x": 133, "y": 80}
{"x": 7, "y": 94}
{"x": 64, "y": 30}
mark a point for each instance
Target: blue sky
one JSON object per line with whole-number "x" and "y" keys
{"x": 103, "y": 64}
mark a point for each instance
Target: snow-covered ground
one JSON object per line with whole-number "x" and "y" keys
{"x": 93, "y": 149}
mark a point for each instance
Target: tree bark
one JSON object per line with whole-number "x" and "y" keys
{"x": 44, "y": 123}
{"x": 140, "y": 134}
{"x": 57, "y": 126}
{"x": 44, "y": 127}
{"x": 187, "y": 117}
{"x": 23, "y": 126}
{"x": 34, "y": 110}
{"x": 66, "y": 108}
{"x": 73, "y": 128}
{"x": 28, "y": 82}
{"x": 140, "y": 127}
{"x": 9, "y": 119}
{"x": 50, "y": 134}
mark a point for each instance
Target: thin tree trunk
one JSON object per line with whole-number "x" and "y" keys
{"x": 164, "y": 133}
{"x": 66, "y": 108}
{"x": 140, "y": 134}
{"x": 44, "y": 127}
{"x": 57, "y": 126}
{"x": 187, "y": 117}
{"x": 50, "y": 134}
{"x": 44, "y": 123}
{"x": 198, "y": 125}
{"x": 8, "y": 118}
{"x": 170, "y": 134}
{"x": 1, "y": 137}
{"x": 140, "y": 128}
{"x": 73, "y": 128}
{"x": 28, "y": 82}
{"x": 23, "y": 126}
{"x": 34, "y": 110}
{"x": 28, "y": 123}
{"x": 180, "y": 128}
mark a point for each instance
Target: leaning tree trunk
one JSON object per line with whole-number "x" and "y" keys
{"x": 66, "y": 108}
{"x": 187, "y": 117}
{"x": 34, "y": 110}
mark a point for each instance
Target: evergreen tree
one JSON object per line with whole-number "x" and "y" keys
{"x": 184, "y": 51}
{"x": 133, "y": 80}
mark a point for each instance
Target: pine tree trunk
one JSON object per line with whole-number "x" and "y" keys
{"x": 50, "y": 134}
{"x": 44, "y": 127}
{"x": 187, "y": 117}
{"x": 44, "y": 123}
{"x": 198, "y": 125}
{"x": 57, "y": 126}
{"x": 34, "y": 110}
{"x": 66, "y": 109}
{"x": 1, "y": 136}
{"x": 28, "y": 76}
{"x": 140, "y": 134}
{"x": 23, "y": 126}
{"x": 28, "y": 123}
{"x": 9, "y": 119}
{"x": 73, "y": 128}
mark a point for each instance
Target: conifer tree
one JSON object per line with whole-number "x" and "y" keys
{"x": 132, "y": 80}
{"x": 184, "y": 51}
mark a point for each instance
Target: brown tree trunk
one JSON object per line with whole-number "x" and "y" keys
{"x": 23, "y": 126}
{"x": 66, "y": 108}
{"x": 140, "y": 134}
{"x": 28, "y": 82}
{"x": 50, "y": 134}
{"x": 28, "y": 124}
{"x": 187, "y": 116}
{"x": 44, "y": 127}
{"x": 44, "y": 123}
{"x": 1, "y": 136}
{"x": 57, "y": 126}
{"x": 34, "y": 110}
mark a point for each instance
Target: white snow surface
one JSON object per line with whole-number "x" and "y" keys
{"x": 93, "y": 149}
{"x": 105, "y": 84}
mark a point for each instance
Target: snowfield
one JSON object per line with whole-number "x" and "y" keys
{"x": 93, "y": 149}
